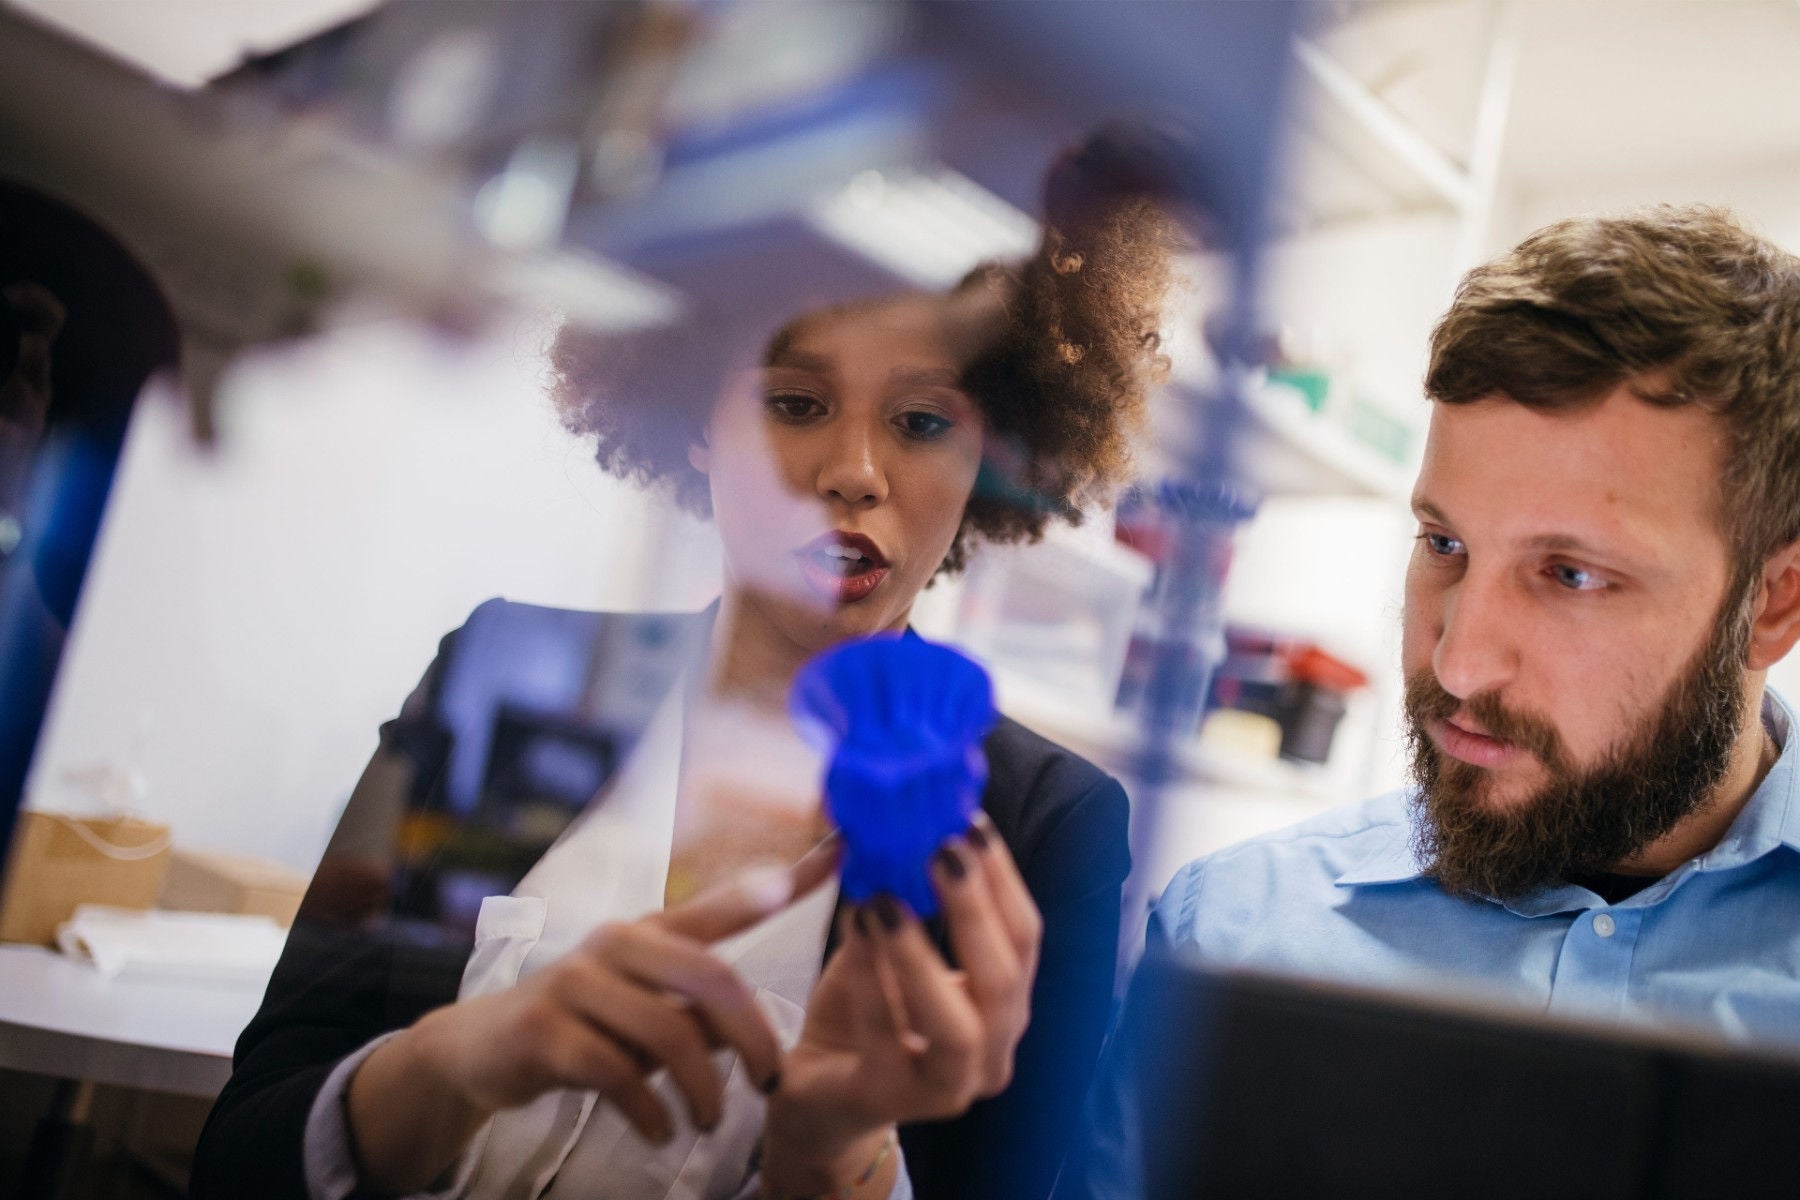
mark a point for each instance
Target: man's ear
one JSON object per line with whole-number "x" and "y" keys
{"x": 700, "y": 455}
{"x": 1775, "y": 622}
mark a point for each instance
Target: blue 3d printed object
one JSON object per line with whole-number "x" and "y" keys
{"x": 901, "y": 721}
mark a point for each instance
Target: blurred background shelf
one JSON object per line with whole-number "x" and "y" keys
{"x": 1289, "y": 448}
{"x": 1114, "y": 739}
{"x": 1292, "y": 450}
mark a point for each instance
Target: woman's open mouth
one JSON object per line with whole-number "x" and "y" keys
{"x": 842, "y": 567}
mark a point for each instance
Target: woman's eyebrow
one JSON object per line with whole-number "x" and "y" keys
{"x": 925, "y": 377}
{"x": 800, "y": 360}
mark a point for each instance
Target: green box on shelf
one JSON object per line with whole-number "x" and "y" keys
{"x": 1313, "y": 385}
{"x": 1378, "y": 429}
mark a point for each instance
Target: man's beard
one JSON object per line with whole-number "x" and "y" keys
{"x": 1588, "y": 819}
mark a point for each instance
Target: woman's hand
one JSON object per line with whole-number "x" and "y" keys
{"x": 631, "y": 999}
{"x": 893, "y": 1034}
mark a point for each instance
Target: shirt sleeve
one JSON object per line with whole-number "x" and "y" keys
{"x": 330, "y": 1162}
{"x": 329, "y": 1153}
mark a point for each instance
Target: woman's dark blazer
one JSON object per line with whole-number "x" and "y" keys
{"x": 350, "y": 972}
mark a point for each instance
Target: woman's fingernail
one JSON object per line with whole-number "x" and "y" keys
{"x": 888, "y": 911}
{"x": 950, "y": 863}
{"x": 977, "y": 836}
{"x": 772, "y": 1083}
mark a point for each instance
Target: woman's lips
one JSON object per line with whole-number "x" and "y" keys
{"x": 1476, "y": 749}
{"x": 842, "y": 567}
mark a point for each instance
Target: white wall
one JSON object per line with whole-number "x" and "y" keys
{"x": 1763, "y": 195}
{"x": 253, "y": 615}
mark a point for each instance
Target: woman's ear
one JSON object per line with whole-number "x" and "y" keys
{"x": 1775, "y": 622}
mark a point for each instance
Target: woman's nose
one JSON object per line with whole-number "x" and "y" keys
{"x": 852, "y": 472}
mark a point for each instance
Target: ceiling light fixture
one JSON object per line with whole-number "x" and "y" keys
{"x": 927, "y": 226}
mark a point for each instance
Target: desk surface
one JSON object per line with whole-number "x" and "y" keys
{"x": 61, "y": 1017}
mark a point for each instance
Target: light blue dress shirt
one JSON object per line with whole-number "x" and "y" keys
{"x": 1712, "y": 946}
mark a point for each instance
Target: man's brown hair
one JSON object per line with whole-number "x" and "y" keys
{"x": 1680, "y": 302}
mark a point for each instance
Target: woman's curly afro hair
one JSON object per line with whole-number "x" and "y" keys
{"x": 1063, "y": 355}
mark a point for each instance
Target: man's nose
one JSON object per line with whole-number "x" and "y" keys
{"x": 852, "y": 471}
{"x": 1477, "y": 646}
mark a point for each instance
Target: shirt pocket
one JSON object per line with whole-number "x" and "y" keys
{"x": 506, "y": 931}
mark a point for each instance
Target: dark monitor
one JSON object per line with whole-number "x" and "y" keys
{"x": 1256, "y": 1085}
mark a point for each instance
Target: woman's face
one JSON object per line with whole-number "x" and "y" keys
{"x": 840, "y": 475}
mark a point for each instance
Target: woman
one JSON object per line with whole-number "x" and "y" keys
{"x": 604, "y": 1036}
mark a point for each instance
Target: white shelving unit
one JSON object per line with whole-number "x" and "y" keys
{"x": 1290, "y": 450}
{"x": 1412, "y": 169}
{"x": 1295, "y": 451}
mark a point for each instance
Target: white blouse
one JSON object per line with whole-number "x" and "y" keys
{"x": 612, "y": 864}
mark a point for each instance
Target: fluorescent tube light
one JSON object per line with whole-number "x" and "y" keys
{"x": 927, "y": 226}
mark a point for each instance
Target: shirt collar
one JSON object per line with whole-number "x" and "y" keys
{"x": 1771, "y": 818}
{"x": 1393, "y": 859}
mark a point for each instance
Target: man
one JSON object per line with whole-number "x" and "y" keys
{"x": 1604, "y": 819}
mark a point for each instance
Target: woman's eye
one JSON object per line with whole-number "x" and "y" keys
{"x": 792, "y": 406}
{"x": 925, "y": 426}
{"x": 1575, "y": 578}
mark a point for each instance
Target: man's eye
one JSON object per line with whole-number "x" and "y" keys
{"x": 925, "y": 426}
{"x": 792, "y": 406}
{"x": 1441, "y": 544}
{"x": 1576, "y": 579}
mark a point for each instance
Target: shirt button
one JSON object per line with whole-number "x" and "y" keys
{"x": 1603, "y": 925}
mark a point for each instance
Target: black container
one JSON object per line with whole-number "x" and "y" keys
{"x": 1309, "y": 722}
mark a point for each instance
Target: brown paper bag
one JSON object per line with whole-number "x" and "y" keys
{"x": 59, "y": 861}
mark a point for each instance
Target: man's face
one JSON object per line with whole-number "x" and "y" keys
{"x": 1566, "y": 621}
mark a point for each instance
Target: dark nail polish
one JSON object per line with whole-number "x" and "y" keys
{"x": 950, "y": 863}
{"x": 863, "y": 925}
{"x": 888, "y": 910}
{"x": 977, "y": 836}
{"x": 772, "y": 1083}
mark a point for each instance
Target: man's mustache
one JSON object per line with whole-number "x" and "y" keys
{"x": 1426, "y": 700}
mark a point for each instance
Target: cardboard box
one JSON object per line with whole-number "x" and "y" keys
{"x": 209, "y": 881}
{"x": 59, "y": 861}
